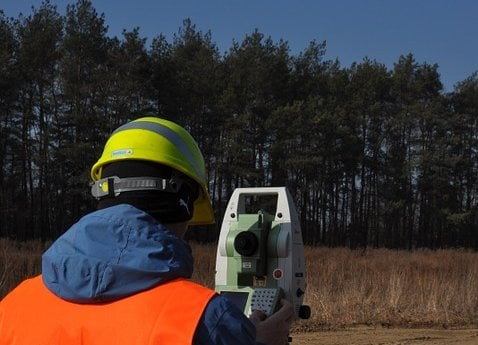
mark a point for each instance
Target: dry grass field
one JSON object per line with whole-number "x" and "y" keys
{"x": 345, "y": 288}
{"x": 380, "y": 287}
{"x": 390, "y": 288}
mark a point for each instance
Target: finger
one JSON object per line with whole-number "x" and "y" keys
{"x": 257, "y": 316}
{"x": 285, "y": 313}
{"x": 286, "y": 304}
{"x": 287, "y": 308}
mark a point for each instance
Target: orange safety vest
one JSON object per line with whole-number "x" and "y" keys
{"x": 166, "y": 314}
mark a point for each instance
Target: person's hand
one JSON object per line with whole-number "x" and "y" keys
{"x": 274, "y": 330}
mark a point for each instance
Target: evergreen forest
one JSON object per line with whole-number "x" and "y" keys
{"x": 373, "y": 156}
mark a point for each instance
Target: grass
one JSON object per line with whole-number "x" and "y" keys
{"x": 392, "y": 288}
{"x": 344, "y": 287}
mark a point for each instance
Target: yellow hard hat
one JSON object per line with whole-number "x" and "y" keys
{"x": 157, "y": 140}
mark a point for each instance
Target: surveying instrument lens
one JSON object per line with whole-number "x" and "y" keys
{"x": 246, "y": 243}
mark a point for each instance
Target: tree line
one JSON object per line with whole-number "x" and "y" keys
{"x": 373, "y": 156}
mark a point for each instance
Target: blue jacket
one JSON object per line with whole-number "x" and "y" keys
{"x": 121, "y": 250}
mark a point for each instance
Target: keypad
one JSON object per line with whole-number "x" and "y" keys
{"x": 264, "y": 299}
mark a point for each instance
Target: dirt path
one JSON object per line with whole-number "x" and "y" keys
{"x": 385, "y": 336}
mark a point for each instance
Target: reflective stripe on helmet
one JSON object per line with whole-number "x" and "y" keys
{"x": 169, "y": 134}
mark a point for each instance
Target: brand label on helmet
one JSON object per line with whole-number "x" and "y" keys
{"x": 122, "y": 152}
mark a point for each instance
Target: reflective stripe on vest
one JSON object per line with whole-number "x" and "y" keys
{"x": 166, "y": 314}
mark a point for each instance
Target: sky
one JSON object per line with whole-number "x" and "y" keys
{"x": 442, "y": 32}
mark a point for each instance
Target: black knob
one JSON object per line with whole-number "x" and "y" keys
{"x": 299, "y": 292}
{"x": 304, "y": 312}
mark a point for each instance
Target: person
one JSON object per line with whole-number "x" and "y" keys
{"x": 120, "y": 275}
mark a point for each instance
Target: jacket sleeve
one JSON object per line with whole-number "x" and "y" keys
{"x": 222, "y": 323}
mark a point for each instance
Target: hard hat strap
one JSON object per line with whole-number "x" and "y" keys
{"x": 114, "y": 185}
